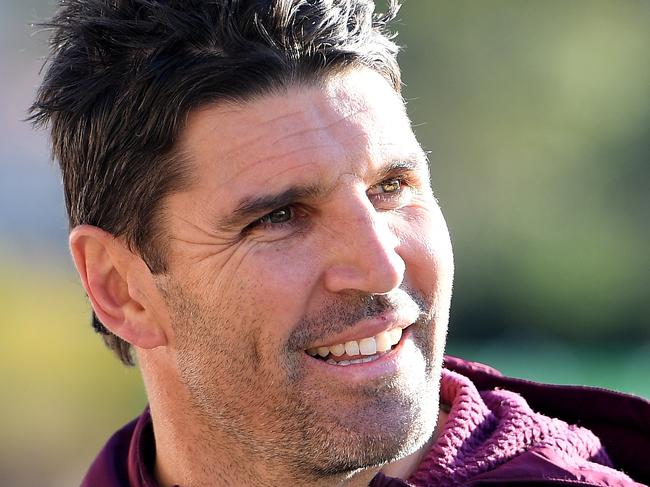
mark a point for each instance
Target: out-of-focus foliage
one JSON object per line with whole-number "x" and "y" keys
{"x": 537, "y": 115}
{"x": 63, "y": 394}
{"x": 538, "y": 118}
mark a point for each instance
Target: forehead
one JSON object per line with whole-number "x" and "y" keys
{"x": 308, "y": 133}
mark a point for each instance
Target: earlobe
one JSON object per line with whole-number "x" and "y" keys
{"x": 113, "y": 276}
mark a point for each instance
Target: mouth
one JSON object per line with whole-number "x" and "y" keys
{"x": 360, "y": 351}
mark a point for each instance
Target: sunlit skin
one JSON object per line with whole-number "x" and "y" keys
{"x": 304, "y": 205}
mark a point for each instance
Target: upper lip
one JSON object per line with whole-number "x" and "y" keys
{"x": 368, "y": 327}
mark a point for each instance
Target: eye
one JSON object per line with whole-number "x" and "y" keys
{"x": 284, "y": 221}
{"x": 391, "y": 193}
{"x": 274, "y": 220}
{"x": 391, "y": 186}
{"x": 387, "y": 188}
{"x": 279, "y": 216}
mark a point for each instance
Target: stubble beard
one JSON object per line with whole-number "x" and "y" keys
{"x": 284, "y": 421}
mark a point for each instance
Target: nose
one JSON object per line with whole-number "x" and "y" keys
{"x": 363, "y": 250}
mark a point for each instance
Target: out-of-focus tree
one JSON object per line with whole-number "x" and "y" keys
{"x": 537, "y": 115}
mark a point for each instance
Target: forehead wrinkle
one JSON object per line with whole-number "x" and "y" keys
{"x": 310, "y": 149}
{"x": 230, "y": 109}
{"x": 264, "y": 123}
{"x": 269, "y": 159}
{"x": 284, "y": 155}
{"x": 385, "y": 158}
{"x": 225, "y": 108}
{"x": 289, "y": 169}
{"x": 248, "y": 142}
{"x": 222, "y": 110}
{"x": 344, "y": 110}
{"x": 329, "y": 125}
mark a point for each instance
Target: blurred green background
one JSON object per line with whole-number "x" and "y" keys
{"x": 537, "y": 116}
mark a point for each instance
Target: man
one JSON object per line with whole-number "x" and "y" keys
{"x": 251, "y": 214}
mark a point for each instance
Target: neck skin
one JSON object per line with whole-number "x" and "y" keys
{"x": 182, "y": 459}
{"x": 405, "y": 467}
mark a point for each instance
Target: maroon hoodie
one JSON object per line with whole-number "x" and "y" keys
{"x": 499, "y": 430}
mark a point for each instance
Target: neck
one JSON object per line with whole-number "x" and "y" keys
{"x": 405, "y": 467}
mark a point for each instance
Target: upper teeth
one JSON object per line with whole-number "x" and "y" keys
{"x": 365, "y": 346}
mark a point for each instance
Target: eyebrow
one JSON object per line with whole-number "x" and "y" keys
{"x": 414, "y": 162}
{"x": 252, "y": 207}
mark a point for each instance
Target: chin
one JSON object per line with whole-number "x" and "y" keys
{"x": 379, "y": 431}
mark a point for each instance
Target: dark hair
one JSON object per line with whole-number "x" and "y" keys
{"x": 123, "y": 75}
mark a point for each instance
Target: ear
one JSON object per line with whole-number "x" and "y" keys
{"x": 119, "y": 285}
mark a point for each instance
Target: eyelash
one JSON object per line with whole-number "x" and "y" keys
{"x": 404, "y": 183}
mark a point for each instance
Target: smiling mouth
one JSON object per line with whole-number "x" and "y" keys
{"x": 358, "y": 351}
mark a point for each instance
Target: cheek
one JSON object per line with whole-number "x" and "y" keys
{"x": 279, "y": 281}
{"x": 426, "y": 250}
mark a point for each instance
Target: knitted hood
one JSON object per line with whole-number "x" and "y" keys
{"x": 487, "y": 429}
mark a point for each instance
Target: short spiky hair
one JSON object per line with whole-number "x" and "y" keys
{"x": 123, "y": 75}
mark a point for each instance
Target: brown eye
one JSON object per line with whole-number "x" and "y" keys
{"x": 387, "y": 187}
{"x": 391, "y": 186}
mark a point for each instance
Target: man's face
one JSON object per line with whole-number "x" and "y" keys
{"x": 311, "y": 223}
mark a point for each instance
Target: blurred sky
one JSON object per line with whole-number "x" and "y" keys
{"x": 537, "y": 116}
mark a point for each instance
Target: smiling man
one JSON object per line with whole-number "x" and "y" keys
{"x": 318, "y": 339}
{"x": 252, "y": 215}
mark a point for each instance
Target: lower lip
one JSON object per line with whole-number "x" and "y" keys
{"x": 386, "y": 365}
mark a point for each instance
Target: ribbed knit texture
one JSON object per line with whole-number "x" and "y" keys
{"x": 486, "y": 429}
